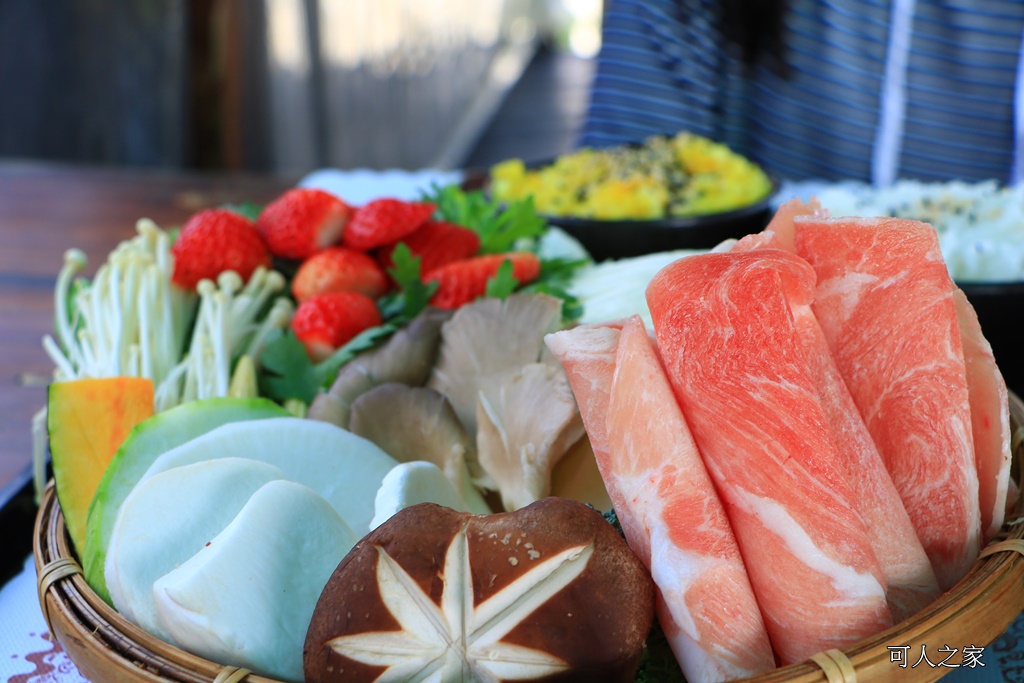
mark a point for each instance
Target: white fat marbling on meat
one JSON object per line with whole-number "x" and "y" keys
{"x": 855, "y": 585}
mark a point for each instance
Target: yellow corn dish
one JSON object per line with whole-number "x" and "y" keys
{"x": 680, "y": 176}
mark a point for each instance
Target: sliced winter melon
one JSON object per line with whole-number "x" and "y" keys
{"x": 146, "y": 442}
{"x": 274, "y": 558}
{"x": 87, "y": 421}
{"x": 344, "y": 468}
{"x": 409, "y": 483}
{"x": 167, "y": 519}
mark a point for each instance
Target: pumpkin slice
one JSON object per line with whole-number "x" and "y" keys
{"x": 87, "y": 421}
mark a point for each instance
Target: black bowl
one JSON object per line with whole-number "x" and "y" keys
{"x": 613, "y": 239}
{"x": 998, "y": 306}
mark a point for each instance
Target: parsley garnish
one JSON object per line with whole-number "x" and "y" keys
{"x": 503, "y": 283}
{"x": 286, "y": 370}
{"x": 250, "y": 210}
{"x": 501, "y": 227}
{"x": 413, "y": 294}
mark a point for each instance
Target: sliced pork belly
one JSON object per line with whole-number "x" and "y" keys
{"x": 990, "y": 418}
{"x": 781, "y": 224}
{"x": 666, "y": 502}
{"x": 910, "y": 581}
{"x": 741, "y": 377}
{"x": 885, "y": 303}
{"x": 587, "y": 354}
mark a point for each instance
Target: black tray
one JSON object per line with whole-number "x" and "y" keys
{"x": 17, "y": 515}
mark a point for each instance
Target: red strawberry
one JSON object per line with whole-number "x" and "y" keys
{"x": 337, "y": 269}
{"x": 213, "y": 241}
{"x": 384, "y": 221}
{"x": 303, "y": 221}
{"x": 325, "y": 322}
{"x": 436, "y": 243}
{"x": 463, "y": 281}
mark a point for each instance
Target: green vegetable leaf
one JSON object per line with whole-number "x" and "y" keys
{"x": 286, "y": 371}
{"x": 657, "y": 663}
{"x": 519, "y": 221}
{"x": 503, "y": 283}
{"x": 555, "y": 278}
{"x": 560, "y": 271}
{"x": 327, "y": 370}
{"x": 413, "y": 294}
{"x": 572, "y": 308}
{"x": 250, "y": 210}
{"x": 468, "y": 209}
{"x": 501, "y": 227}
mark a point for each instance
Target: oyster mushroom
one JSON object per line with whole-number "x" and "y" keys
{"x": 407, "y": 357}
{"x": 527, "y": 422}
{"x": 486, "y": 340}
{"x": 417, "y": 423}
{"x": 432, "y": 594}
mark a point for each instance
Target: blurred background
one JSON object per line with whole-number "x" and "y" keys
{"x": 289, "y": 86}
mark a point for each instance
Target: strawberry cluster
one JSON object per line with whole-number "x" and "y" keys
{"x": 343, "y": 253}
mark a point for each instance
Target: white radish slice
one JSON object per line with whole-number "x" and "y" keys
{"x": 344, "y": 468}
{"x": 167, "y": 519}
{"x": 411, "y": 483}
{"x": 247, "y": 598}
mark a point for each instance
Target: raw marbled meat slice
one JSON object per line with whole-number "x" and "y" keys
{"x": 990, "y": 418}
{"x": 718, "y": 632}
{"x": 910, "y": 582}
{"x": 739, "y": 373}
{"x": 885, "y": 303}
{"x": 666, "y": 502}
{"x": 587, "y": 354}
{"x": 781, "y": 224}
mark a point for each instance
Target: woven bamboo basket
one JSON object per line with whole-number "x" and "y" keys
{"x": 106, "y": 647}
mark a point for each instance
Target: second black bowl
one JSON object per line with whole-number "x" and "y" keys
{"x": 998, "y": 306}
{"x": 613, "y": 239}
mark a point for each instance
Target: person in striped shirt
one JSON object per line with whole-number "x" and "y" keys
{"x": 869, "y": 90}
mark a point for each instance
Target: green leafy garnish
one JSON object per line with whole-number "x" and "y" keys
{"x": 327, "y": 369}
{"x": 503, "y": 283}
{"x": 572, "y": 308}
{"x": 555, "y": 277}
{"x": 250, "y": 210}
{"x": 658, "y": 664}
{"x": 501, "y": 227}
{"x": 413, "y": 294}
{"x": 289, "y": 373}
{"x": 286, "y": 369}
{"x": 560, "y": 271}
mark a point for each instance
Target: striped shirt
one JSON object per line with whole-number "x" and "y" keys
{"x": 874, "y": 90}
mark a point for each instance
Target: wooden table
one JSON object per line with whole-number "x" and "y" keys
{"x": 47, "y": 209}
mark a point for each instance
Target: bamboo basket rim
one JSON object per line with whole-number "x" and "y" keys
{"x": 987, "y": 601}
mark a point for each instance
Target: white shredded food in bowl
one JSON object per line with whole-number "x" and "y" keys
{"x": 980, "y": 225}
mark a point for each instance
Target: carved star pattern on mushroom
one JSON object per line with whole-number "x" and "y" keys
{"x": 455, "y": 641}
